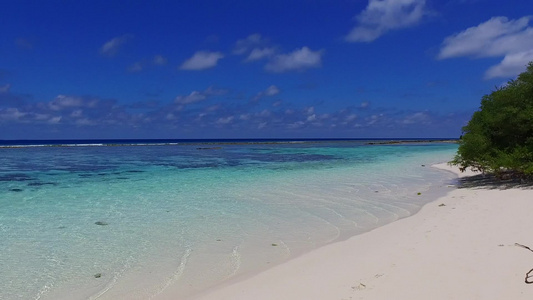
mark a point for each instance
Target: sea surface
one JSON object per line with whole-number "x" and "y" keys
{"x": 141, "y": 219}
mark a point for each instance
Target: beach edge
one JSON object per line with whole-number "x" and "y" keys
{"x": 459, "y": 246}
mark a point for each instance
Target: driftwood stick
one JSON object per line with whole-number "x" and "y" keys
{"x": 529, "y": 275}
{"x": 520, "y": 245}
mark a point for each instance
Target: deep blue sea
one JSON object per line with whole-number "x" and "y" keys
{"x": 133, "y": 219}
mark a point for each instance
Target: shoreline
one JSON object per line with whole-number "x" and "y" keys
{"x": 460, "y": 246}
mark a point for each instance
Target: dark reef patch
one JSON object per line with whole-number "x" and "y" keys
{"x": 39, "y": 183}
{"x": 16, "y": 177}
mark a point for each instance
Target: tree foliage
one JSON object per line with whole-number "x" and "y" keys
{"x": 499, "y": 137}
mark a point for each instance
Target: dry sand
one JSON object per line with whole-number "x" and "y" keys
{"x": 461, "y": 246}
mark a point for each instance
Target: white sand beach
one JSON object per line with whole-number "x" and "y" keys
{"x": 461, "y": 246}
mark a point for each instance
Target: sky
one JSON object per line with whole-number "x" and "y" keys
{"x": 253, "y": 68}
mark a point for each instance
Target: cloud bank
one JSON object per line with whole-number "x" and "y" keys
{"x": 212, "y": 114}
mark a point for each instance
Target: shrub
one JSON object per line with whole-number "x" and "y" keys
{"x": 499, "y": 137}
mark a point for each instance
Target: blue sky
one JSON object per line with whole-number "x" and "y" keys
{"x": 245, "y": 69}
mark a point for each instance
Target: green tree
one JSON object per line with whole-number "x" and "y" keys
{"x": 499, "y": 137}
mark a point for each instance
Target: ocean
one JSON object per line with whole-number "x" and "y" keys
{"x": 134, "y": 219}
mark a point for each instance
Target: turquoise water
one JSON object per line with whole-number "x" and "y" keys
{"x": 137, "y": 222}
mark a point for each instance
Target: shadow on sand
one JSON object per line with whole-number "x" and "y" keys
{"x": 489, "y": 181}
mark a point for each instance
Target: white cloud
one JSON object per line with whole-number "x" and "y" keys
{"x": 55, "y": 120}
{"x": 381, "y": 16}
{"x": 213, "y": 108}
{"x": 40, "y": 117}
{"x": 299, "y": 59}
{"x": 255, "y": 47}
{"x": 202, "y": 60}
{"x": 77, "y": 113}
{"x": 11, "y": 114}
{"x": 5, "y": 88}
{"x": 112, "y": 46}
{"x": 224, "y": 121}
{"x": 373, "y": 119}
{"x": 260, "y": 53}
{"x": 296, "y": 125}
{"x": 193, "y": 97}
{"x": 419, "y": 118}
{"x": 497, "y": 37}
{"x": 245, "y": 45}
{"x": 272, "y": 91}
{"x": 196, "y": 96}
{"x": 511, "y": 65}
{"x": 350, "y": 118}
{"x": 264, "y": 113}
{"x": 62, "y": 102}
{"x": 159, "y": 60}
{"x": 269, "y": 92}
{"x": 170, "y": 116}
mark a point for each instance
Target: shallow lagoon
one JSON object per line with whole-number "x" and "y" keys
{"x": 134, "y": 221}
